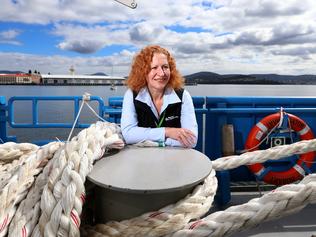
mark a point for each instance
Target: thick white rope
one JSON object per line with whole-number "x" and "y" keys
{"x": 260, "y": 156}
{"x": 281, "y": 202}
{"x": 10, "y": 151}
{"x": 63, "y": 195}
{"x": 12, "y": 156}
{"x": 28, "y": 212}
{"x": 18, "y": 184}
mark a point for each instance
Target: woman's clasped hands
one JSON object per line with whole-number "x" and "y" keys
{"x": 185, "y": 136}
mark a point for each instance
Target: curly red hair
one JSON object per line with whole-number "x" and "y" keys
{"x": 141, "y": 66}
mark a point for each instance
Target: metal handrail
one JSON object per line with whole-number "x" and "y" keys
{"x": 35, "y": 111}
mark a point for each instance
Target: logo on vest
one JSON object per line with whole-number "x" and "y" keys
{"x": 171, "y": 118}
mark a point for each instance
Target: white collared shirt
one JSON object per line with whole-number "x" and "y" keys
{"x": 132, "y": 133}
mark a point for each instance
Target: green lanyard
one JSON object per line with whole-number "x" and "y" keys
{"x": 161, "y": 120}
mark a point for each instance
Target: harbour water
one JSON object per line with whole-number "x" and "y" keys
{"x": 198, "y": 90}
{"x": 63, "y": 111}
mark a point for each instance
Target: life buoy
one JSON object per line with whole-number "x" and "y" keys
{"x": 259, "y": 131}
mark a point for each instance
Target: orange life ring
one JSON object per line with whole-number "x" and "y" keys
{"x": 298, "y": 170}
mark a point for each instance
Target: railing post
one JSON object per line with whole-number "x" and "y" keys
{"x": 199, "y": 102}
{"x": 113, "y": 110}
{"x": 214, "y": 123}
{"x": 3, "y": 125}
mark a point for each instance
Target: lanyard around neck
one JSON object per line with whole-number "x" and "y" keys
{"x": 162, "y": 118}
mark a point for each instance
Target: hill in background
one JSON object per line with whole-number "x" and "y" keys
{"x": 10, "y": 72}
{"x": 273, "y": 79}
{"x": 98, "y": 74}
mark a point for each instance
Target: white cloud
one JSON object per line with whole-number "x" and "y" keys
{"x": 61, "y": 64}
{"x": 9, "y": 37}
{"x": 43, "y": 12}
{"x": 89, "y": 39}
{"x": 241, "y": 36}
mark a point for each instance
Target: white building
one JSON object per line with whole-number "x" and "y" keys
{"x": 20, "y": 78}
{"x": 50, "y": 79}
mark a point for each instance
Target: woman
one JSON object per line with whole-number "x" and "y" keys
{"x": 155, "y": 107}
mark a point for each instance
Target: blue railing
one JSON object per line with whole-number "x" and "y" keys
{"x": 35, "y": 111}
{"x": 212, "y": 114}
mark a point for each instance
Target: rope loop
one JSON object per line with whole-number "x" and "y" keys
{"x": 86, "y": 96}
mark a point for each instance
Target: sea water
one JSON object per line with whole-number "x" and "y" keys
{"x": 63, "y": 111}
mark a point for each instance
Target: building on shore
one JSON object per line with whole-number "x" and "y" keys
{"x": 20, "y": 78}
{"x": 50, "y": 79}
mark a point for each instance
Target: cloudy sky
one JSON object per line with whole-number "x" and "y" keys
{"x": 222, "y": 36}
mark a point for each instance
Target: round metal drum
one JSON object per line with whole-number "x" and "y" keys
{"x": 138, "y": 180}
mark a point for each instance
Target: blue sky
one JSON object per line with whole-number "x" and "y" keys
{"x": 222, "y": 36}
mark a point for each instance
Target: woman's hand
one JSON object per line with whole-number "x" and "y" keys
{"x": 183, "y": 135}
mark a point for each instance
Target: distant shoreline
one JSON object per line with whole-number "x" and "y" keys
{"x": 199, "y": 78}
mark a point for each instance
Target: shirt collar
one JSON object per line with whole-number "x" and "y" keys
{"x": 169, "y": 97}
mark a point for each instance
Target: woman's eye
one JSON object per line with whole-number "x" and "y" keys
{"x": 163, "y": 67}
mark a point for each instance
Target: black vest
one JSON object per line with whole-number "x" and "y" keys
{"x": 171, "y": 115}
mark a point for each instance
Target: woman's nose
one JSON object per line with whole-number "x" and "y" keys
{"x": 161, "y": 71}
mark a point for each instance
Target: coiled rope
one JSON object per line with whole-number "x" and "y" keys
{"x": 53, "y": 204}
{"x": 260, "y": 156}
{"x": 12, "y": 156}
{"x": 28, "y": 212}
{"x": 20, "y": 178}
